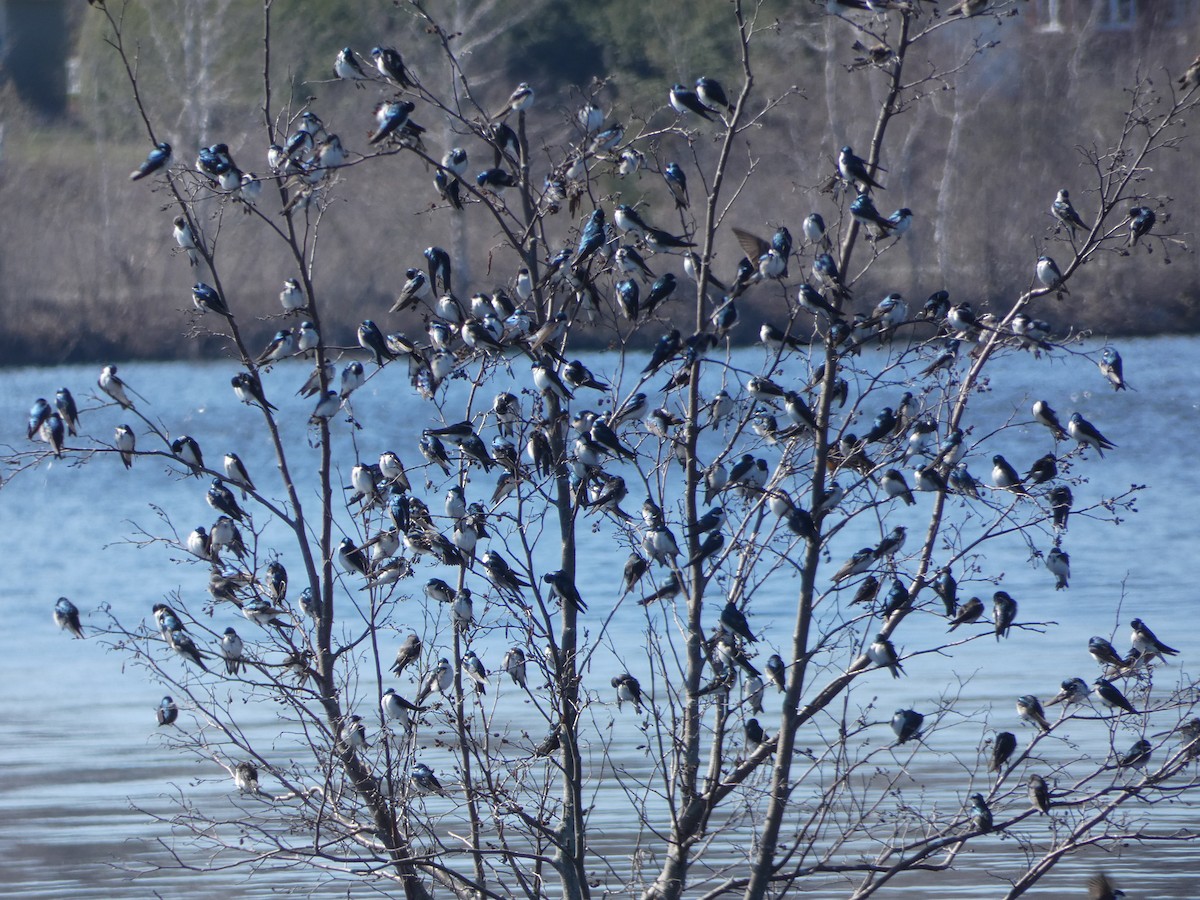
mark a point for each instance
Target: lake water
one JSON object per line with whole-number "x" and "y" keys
{"x": 82, "y": 756}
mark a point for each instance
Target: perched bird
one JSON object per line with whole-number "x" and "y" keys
{"x": 854, "y": 170}
{"x": 968, "y": 614}
{"x": 1048, "y": 274}
{"x": 232, "y": 649}
{"x": 755, "y": 736}
{"x": 370, "y": 338}
{"x": 439, "y": 680}
{"x": 981, "y": 814}
{"x": 883, "y": 653}
{"x": 398, "y": 709}
{"x": 1136, "y": 757}
{"x": 1145, "y": 641}
{"x": 245, "y": 777}
{"x": 352, "y": 558}
{"x": 1029, "y": 708}
{"x": 676, "y": 183}
{"x": 514, "y": 664}
{"x": 684, "y": 101}
{"x": 66, "y": 617}
{"x": 409, "y": 652}
{"x": 1060, "y": 505}
{"x": 221, "y": 499}
{"x": 391, "y": 66}
{"x": 894, "y": 486}
{"x": 187, "y": 450}
{"x": 347, "y": 67}
{"x": 1044, "y": 468}
{"x": 1074, "y": 692}
{"x": 906, "y": 723}
{"x": 1112, "y": 368}
{"x": 628, "y": 689}
{"x": 182, "y": 644}
{"x": 1043, "y": 414}
{"x": 1110, "y": 695}
{"x": 125, "y": 442}
{"x": 249, "y": 390}
{"x": 235, "y": 473}
{"x": 167, "y": 712}
{"x": 206, "y": 297}
{"x": 1005, "y": 477}
{"x": 1141, "y": 220}
{"x": 112, "y": 385}
{"x": 1062, "y": 210}
{"x": 1004, "y": 611}
{"x": 858, "y": 563}
{"x": 423, "y": 780}
{"x": 474, "y": 669}
{"x": 712, "y": 94}
{"x": 1059, "y": 564}
{"x": 1039, "y": 793}
{"x": 777, "y": 671}
{"x": 186, "y": 239}
{"x": 1103, "y": 652}
{"x": 155, "y": 160}
{"x": 1081, "y": 430}
{"x": 562, "y": 586}
{"x": 735, "y": 621}
{"x": 1002, "y": 749}
{"x": 518, "y": 101}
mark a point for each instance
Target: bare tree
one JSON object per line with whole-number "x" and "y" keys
{"x": 749, "y": 474}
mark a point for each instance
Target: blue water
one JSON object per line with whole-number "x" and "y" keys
{"x": 84, "y": 760}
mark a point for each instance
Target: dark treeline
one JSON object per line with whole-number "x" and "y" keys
{"x": 89, "y": 269}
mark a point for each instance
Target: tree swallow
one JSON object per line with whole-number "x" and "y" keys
{"x": 1062, "y": 210}
{"x": 854, "y": 170}
{"x": 1111, "y": 696}
{"x": 981, "y": 815}
{"x": 1145, "y": 641}
{"x": 391, "y": 66}
{"x": 1059, "y": 564}
{"x": 1141, "y": 220}
{"x": 1112, "y": 368}
{"x": 968, "y": 614}
{"x": 712, "y": 95}
{"x": 155, "y": 160}
{"x": 409, "y": 652}
{"x": 628, "y": 689}
{"x": 906, "y": 723}
{"x": 883, "y": 653}
{"x": 1081, "y": 430}
{"x": 1004, "y": 611}
{"x": 112, "y": 385}
{"x": 423, "y": 780}
{"x": 1029, "y": 708}
{"x": 684, "y": 101}
{"x": 66, "y": 617}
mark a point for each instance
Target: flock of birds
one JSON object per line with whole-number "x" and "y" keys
{"x": 613, "y": 258}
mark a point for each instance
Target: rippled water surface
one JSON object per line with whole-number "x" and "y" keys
{"x": 83, "y": 763}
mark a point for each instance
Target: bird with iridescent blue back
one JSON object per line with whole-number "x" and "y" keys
{"x": 1087, "y": 435}
{"x": 391, "y": 66}
{"x": 854, "y": 170}
{"x": 1141, "y": 220}
{"x": 864, "y": 212}
{"x": 676, "y": 183}
{"x": 1112, "y": 368}
{"x": 712, "y": 94}
{"x": 1062, "y": 210}
{"x": 906, "y": 723}
{"x": 155, "y": 160}
{"x": 206, "y": 297}
{"x": 684, "y": 101}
